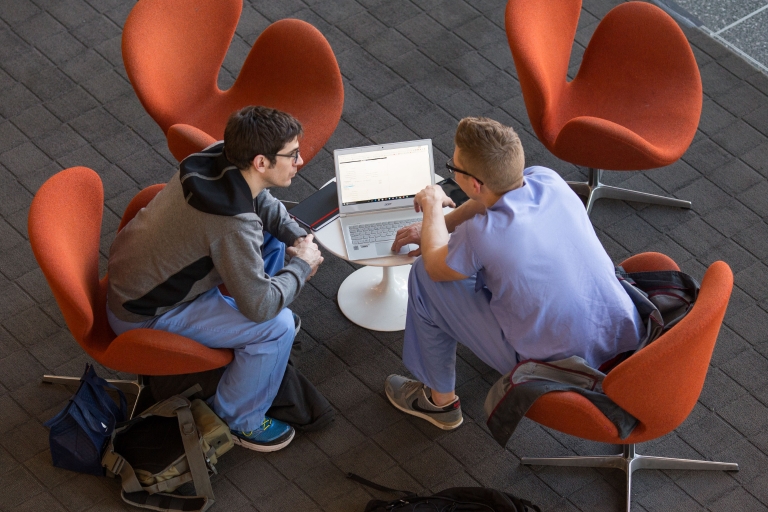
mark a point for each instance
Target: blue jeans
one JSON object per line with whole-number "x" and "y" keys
{"x": 442, "y": 314}
{"x": 250, "y": 382}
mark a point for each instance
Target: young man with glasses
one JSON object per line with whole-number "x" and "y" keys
{"x": 515, "y": 273}
{"x": 216, "y": 222}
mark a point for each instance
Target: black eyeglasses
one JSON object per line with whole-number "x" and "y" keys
{"x": 295, "y": 156}
{"x": 449, "y": 165}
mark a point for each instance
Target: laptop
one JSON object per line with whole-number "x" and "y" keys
{"x": 376, "y": 186}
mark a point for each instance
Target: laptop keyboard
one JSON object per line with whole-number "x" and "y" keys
{"x": 379, "y": 231}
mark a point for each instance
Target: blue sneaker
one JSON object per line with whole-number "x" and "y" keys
{"x": 272, "y": 436}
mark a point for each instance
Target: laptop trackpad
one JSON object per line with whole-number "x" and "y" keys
{"x": 385, "y": 249}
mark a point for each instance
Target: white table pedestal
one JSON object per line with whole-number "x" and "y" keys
{"x": 376, "y": 297}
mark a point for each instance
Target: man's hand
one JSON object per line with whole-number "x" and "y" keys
{"x": 307, "y": 250}
{"x": 408, "y": 235}
{"x": 431, "y": 196}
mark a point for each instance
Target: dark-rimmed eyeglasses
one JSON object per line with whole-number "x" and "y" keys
{"x": 294, "y": 155}
{"x": 449, "y": 165}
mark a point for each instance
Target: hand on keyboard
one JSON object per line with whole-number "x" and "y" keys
{"x": 410, "y": 234}
{"x": 382, "y": 232}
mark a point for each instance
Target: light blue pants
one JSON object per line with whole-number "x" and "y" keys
{"x": 251, "y": 380}
{"x": 440, "y": 314}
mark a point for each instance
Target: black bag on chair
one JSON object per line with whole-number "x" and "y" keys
{"x": 82, "y": 429}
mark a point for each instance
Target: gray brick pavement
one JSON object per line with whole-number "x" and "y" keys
{"x": 411, "y": 68}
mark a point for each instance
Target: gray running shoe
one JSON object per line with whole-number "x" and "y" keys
{"x": 410, "y": 396}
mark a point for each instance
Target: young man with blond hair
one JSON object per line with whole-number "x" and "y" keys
{"x": 515, "y": 273}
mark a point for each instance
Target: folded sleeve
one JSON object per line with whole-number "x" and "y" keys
{"x": 237, "y": 257}
{"x": 461, "y": 257}
{"x": 275, "y": 218}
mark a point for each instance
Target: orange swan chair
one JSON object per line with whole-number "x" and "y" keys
{"x": 173, "y": 51}
{"x": 658, "y": 385}
{"x": 64, "y": 229}
{"x": 634, "y": 104}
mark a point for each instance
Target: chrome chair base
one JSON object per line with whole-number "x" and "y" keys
{"x": 629, "y": 462}
{"x": 132, "y": 387}
{"x": 593, "y": 190}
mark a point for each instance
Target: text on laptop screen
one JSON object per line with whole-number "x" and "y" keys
{"x": 383, "y": 175}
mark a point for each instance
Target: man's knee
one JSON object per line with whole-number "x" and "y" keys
{"x": 418, "y": 273}
{"x": 285, "y": 327}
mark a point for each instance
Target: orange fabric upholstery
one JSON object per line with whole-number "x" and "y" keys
{"x": 649, "y": 262}
{"x": 173, "y": 50}
{"x": 183, "y": 140}
{"x": 64, "y": 230}
{"x": 660, "y": 384}
{"x": 636, "y": 100}
{"x": 138, "y": 202}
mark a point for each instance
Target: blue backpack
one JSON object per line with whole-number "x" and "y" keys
{"x": 80, "y": 432}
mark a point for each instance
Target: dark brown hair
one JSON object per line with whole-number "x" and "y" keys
{"x": 491, "y": 151}
{"x": 258, "y": 130}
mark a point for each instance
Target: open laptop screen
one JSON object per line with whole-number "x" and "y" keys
{"x": 383, "y": 174}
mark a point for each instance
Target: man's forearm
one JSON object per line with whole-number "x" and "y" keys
{"x": 434, "y": 233}
{"x": 463, "y": 213}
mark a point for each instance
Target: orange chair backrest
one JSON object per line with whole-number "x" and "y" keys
{"x": 64, "y": 227}
{"x": 302, "y": 78}
{"x": 661, "y": 63}
{"x": 660, "y": 384}
{"x": 138, "y": 202}
{"x": 173, "y": 51}
{"x": 540, "y": 35}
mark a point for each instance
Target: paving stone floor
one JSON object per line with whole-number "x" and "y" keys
{"x": 739, "y": 24}
{"x": 411, "y": 69}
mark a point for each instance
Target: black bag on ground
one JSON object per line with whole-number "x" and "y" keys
{"x": 298, "y": 402}
{"x": 81, "y": 430}
{"x": 170, "y": 444}
{"x": 454, "y": 499}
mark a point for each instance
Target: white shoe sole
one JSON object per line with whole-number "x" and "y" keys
{"x": 262, "y": 447}
{"x": 438, "y": 424}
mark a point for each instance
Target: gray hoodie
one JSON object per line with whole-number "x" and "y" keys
{"x": 202, "y": 229}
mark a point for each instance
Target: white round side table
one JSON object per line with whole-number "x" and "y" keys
{"x": 375, "y": 296}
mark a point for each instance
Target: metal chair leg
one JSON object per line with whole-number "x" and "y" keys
{"x": 629, "y": 461}
{"x": 133, "y": 387}
{"x": 593, "y": 190}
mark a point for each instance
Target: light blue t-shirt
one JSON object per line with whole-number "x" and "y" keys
{"x": 554, "y": 290}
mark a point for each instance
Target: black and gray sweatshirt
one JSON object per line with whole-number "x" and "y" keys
{"x": 202, "y": 229}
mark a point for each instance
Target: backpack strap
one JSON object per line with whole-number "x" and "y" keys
{"x": 194, "y": 453}
{"x": 171, "y": 483}
{"x": 378, "y": 487}
{"x": 165, "y": 502}
{"x": 115, "y": 464}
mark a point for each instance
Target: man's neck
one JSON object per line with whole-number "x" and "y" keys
{"x": 489, "y": 198}
{"x": 254, "y": 181}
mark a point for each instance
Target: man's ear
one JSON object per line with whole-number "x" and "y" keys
{"x": 260, "y": 163}
{"x": 476, "y": 186}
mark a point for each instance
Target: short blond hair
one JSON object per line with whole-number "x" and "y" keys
{"x": 491, "y": 151}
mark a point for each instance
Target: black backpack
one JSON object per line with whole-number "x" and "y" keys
{"x": 454, "y": 499}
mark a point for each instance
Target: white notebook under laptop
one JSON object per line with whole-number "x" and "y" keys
{"x": 376, "y": 186}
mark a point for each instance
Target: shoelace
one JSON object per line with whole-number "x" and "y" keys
{"x": 264, "y": 426}
{"x": 410, "y": 387}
